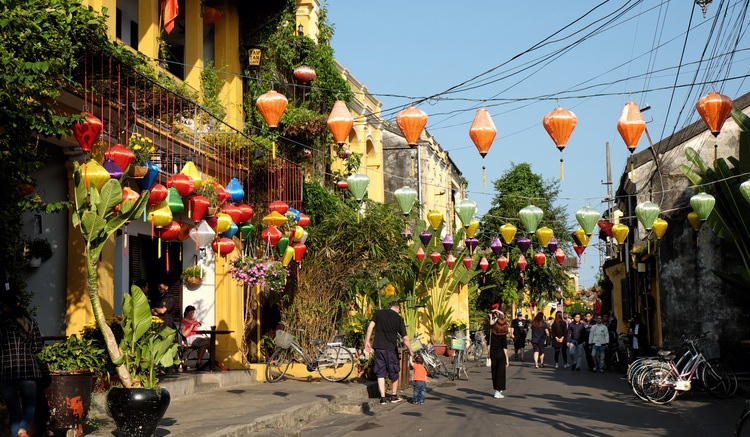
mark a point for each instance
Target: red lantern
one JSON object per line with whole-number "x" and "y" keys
{"x": 233, "y": 212}
{"x": 25, "y": 189}
{"x": 121, "y": 155}
{"x": 211, "y": 15}
{"x": 127, "y": 194}
{"x": 502, "y": 262}
{"x": 278, "y": 206}
{"x": 342, "y": 184}
{"x": 467, "y": 262}
{"x": 271, "y": 106}
{"x": 484, "y": 265}
{"x": 223, "y": 246}
{"x": 631, "y": 125}
{"x": 340, "y": 122}
{"x": 540, "y": 258}
{"x": 303, "y": 220}
{"x": 198, "y": 206}
{"x": 246, "y": 212}
{"x": 522, "y": 263}
{"x": 221, "y": 193}
{"x": 450, "y": 261}
{"x": 420, "y": 254}
{"x": 714, "y": 108}
{"x": 579, "y": 249}
{"x": 559, "y": 255}
{"x": 184, "y": 184}
{"x": 87, "y": 131}
{"x": 158, "y": 193}
{"x": 411, "y": 121}
{"x": 169, "y": 232}
{"x": 271, "y": 235}
{"x": 482, "y": 131}
{"x": 304, "y": 74}
{"x": 605, "y": 226}
{"x": 299, "y": 251}
{"x": 435, "y": 257}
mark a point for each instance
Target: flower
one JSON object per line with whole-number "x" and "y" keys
{"x": 137, "y": 147}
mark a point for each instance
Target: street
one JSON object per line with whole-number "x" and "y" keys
{"x": 539, "y": 401}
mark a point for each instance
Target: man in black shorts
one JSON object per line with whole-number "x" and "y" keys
{"x": 518, "y": 329}
{"x": 389, "y": 327}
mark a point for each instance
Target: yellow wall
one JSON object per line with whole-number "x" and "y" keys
{"x": 227, "y": 46}
{"x": 307, "y": 16}
{"x": 229, "y": 305}
{"x": 193, "y": 44}
{"x": 616, "y": 273}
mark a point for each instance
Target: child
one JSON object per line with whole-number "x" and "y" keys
{"x": 420, "y": 380}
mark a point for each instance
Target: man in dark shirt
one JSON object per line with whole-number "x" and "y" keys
{"x": 518, "y": 329}
{"x": 588, "y": 347}
{"x": 577, "y": 333}
{"x": 164, "y": 307}
{"x": 389, "y": 327}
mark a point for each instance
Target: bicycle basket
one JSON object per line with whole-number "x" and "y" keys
{"x": 283, "y": 339}
{"x": 711, "y": 351}
{"x": 457, "y": 344}
{"x": 415, "y": 344}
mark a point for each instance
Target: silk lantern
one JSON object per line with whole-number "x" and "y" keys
{"x": 87, "y": 131}
{"x": 579, "y": 249}
{"x": 405, "y": 198}
{"x": 233, "y": 212}
{"x": 435, "y": 257}
{"x": 202, "y": 234}
{"x": 482, "y": 133}
{"x": 211, "y": 15}
{"x": 508, "y": 231}
{"x": 282, "y": 244}
{"x": 184, "y": 232}
{"x": 158, "y": 215}
{"x": 221, "y": 193}
{"x": 465, "y": 210}
{"x": 271, "y": 235}
{"x": 297, "y": 215}
{"x": 287, "y": 256}
{"x": 523, "y": 244}
{"x": 246, "y": 212}
{"x": 574, "y": 236}
{"x": 552, "y": 245}
{"x": 411, "y": 121}
{"x": 94, "y": 174}
{"x": 278, "y": 206}
{"x": 631, "y": 126}
{"x": 235, "y": 190}
{"x": 530, "y": 217}
{"x": 647, "y": 212}
{"x": 304, "y": 74}
{"x": 703, "y": 204}
{"x": 342, "y": 184}
{"x": 420, "y": 254}
{"x": 169, "y": 232}
{"x": 620, "y": 231}
{"x": 560, "y": 256}
{"x": 472, "y": 244}
{"x": 435, "y": 218}
{"x": 496, "y": 246}
{"x": 274, "y": 219}
{"x": 121, "y": 155}
{"x": 745, "y": 190}
{"x": 484, "y": 264}
{"x": 467, "y": 262}
{"x": 159, "y": 193}
{"x": 128, "y": 195}
{"x": 583, "y": 238}
{"x": 303, "y": 220}
{"x": 149, "y": 178}
{"x": 695, "y": 221}
{"x": 425, "y": 237}
{"x": 540, "y": 258}
{"x": 450, "y": 260}
{"x": 502, "y": 262}
{"x": 448, "y": 242}
{"x": 544, "y": 235}
{"x": 521, "y": 263}
{"x": 184, "y": 184}
{"x": 358, "y": 184}
{"x": 587, "y": 218}
{"x": 223, "y": 223}
{"x": 605, "y": 226}
{"x": 115, "y": 172}
{"x": 659, "y": 228}
{"x": 245, "y": 230}
{"x": 174, "y": 201}
{"x": 559, "y": 124}
{"x": 714, "y": 108}
{"x": 198, "y": 206}
{"x": 229, "y": 233}
{"x": 340, "y": 122}
{"x": 191, "y": 170}
{"x": 406, "y": 233}
{"x": 271, "y": 106}
{"x": 471, "y": 230}
{"x": 223, "y": 246}
{"x": 299, "y": 252}
{"x": 298, "y": 233}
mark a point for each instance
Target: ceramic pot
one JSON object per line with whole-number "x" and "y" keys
{"x": 439, "y": 349}
{"x": 69, "y": 398}
{"x": 35, "y": 262}
{"x": 137, "y": 411}
{"x": 449, "y": 353}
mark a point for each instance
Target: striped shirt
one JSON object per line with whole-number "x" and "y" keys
{"x": 18, "y": 358}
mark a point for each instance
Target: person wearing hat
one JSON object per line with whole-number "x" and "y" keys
{"x": 518, "y": 330}
{"x": 498, "y": 351}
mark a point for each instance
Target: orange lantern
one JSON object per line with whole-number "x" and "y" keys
{"x": 559, "y": 124}
{"x": 482, "y": 133}
{"x": 211, "y": 15}
{"x": 411, "y": 121}
{"x": 271, "y": 106}
{"x": 631, "y": 126}
{"x": 714, "y": 109}
{"x": 340, "y": 122}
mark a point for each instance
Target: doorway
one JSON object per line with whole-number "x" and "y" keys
{"x": 145, "y": 263}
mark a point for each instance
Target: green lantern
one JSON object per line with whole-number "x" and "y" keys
{"x": 587, "y": 218}
{"x": 282, "y": 245}
{"x": 745, "y": 190}
{"x": 647, "y": 212}
{"x": 246, "y": 229}
{"x": 703, "y": 204}
{"x": 530, "y": 217}
{"x": 405, "y": 197}
{"x": 174, "y": 201}
{"x": 358, "y": 184}
{"x": 465, "y": 210}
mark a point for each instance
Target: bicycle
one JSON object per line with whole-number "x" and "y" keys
{"x": 621, "y": 355}
{"x": 333, "y": 361}
{"x": 432, "y": 363}
{"x": 740, "y": 430}
{"x": 457, "y": 344}
{"x": 476, "y": 347}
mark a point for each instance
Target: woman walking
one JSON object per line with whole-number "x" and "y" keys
{"x": 20, "y": 341}
{"x": 560, "y": 338}
{"x": 539, "y": 334}
{"x": 498, "y": 351}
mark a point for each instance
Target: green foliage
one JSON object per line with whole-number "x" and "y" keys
{"x": 142, "y": 148}
{"x": 75, "y": 354}
{"x": 208, "y": 191}
{"x": 193, "y": 272}
{"x": 39, "y": 248}
{"x": 211, "y": 87}
{"x": 144, "y": 351}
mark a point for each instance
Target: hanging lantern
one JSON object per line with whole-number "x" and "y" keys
{"x": 435, "y": 257}
{"x": 282, "y": 244}
{"x": 714, "y": 108}
{"x": 115, "y": 172}
{"x": 544, "y": 235}
{"x": 159, "y": 215}
{"x": 471, "y": 230}
{"x": 223, "y": 246}
{"x": 647, "y": 212}
{"x": 471, "y": 243}
{"x": 568, "y": 301}
{"x": 158, "y": 194}
{"x": 94, "y": 174}
{"x": 631, "y": 125}
{"x": 191, "y": 170}
{"x": 450, "y": 260}
{"x": 271, "y": 106}
{"x": 552, "y": 245}
{"x": 121, "y": 155}
{"x": 484, "y": 264}
{"x": 211, "y": 15}
{"x": 425, "y": 237}
{"x": 358, "y": 184}
{"x": 128, "y": 195}
{"x": 246, "y": 212}
{"x": 170, "y": 231}
{"x": 340, "y": 122}
{"x": 482, "y": 133}
{"x": 271, "y": 235}
{"x": 465, "y": 210}
{"x": 467, "y": 262}
{"x": 582, "y": 237}
{"x": 496, "y": 246}
{"x": 540, "y": 258}
{"x": 559, "y": 124}
{"x": 149, "y": 178}
{"x": 420, "y": 254}
{"x": 278, "y": 206}
{"x": 574, "y": 236}
{"x": 620, "y": 231}
{"x": 174, "y": 201}
{"x": 587, "y": 218}
{"x": 435, "y": 218}
{"x": 407, "y": 234}
{"x": 304, "y": 74}
{"x": 202, "y": 234}
{"x": 659, "y": 228}
{"x": 522, "y": 263}
{"x": 560, "y": 256}
{"x": 234, "y": 188}
{"x": 502, "y": 262}
{"x": 411, "y": 121}
{"x": 299, "y": 252}
{"x": 87, "y": 131}
{"x": 703, "y": 204}
{"x": 198, "y": 207}
{"x": 184, "y": 231}
{"x": 405, "y": 197}
{"x": 223, "y": 222}
{"x": 184, "y": 184}
{"x": 508, "y": 231}
{"x": 695, "y": 221}
{"x": 745, "y": 190}
{"x": 221, "y": 193}
{"x": 448, "y": 243}
{"x": 523, "y": 244}
{"x": 530, "y": 217}
{"x": 605, "y": 226}
{"x": 579, "y": 249}
{"x": 234, "y": 213}
{"x": 274, "y": 219}
{"x": 303, "y": 220}
{"x": 342, "y": 184}
{"x": 245, "y": 230}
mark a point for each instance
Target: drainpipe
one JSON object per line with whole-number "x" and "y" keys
{"x": 419, "y": 173}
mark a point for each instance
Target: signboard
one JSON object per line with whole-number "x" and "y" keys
{"x": 254, "y": 57}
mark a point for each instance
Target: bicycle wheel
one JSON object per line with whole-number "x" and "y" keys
{"x": 278, "y": 364}
{"x": 440, "y": 367}
{"x": 719, "y": 380}
{"x": 656, "y": 384}
{"x": 743, "y": 429}
{"x": 636, "y": 384}
{"x": 471, "y": 353}
{"x": 335, "y": 363}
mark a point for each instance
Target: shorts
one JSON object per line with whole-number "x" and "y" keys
{"x": 519, "y": 342}
{"x": 196, "y": 340}
{"x": 538, "y": 347}
{"x": 387, "y": 364}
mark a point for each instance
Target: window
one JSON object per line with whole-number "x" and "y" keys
{"x": 126, "y": 22}
{"x": 172, "y": 48}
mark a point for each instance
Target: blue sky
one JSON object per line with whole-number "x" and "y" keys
{"x": 420, "y": 48}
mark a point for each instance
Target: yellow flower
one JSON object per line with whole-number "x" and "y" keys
{"x": 152, "y": 149}
{"x": 137, "y": 147}
{"x": 148, "y": 140}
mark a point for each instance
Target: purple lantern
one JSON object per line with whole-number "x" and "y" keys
{"x": 406, "y": 233}
{"x": 448, "y": 243}
{"x": 115, "y": 172}
{"x": 471, "y": 243}
{"x": 425, "y": 237}
{"x": 496, "y": 246}
{"x": 575, "y": 239}
{"x": 552, "y": 246}
{"x": 523, "y": 244}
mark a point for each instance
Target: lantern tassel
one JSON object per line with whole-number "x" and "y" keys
{"x": 167, "y": 249}
{"x": 412, "y": 167}
{"x": 125, "y": 243}
{"x": 484, "y": 176}
{"x": 152, "y": 230}
{"x": 158, "y": 248}
{"x": 716, "y": 155}
{"x": 273, "y": 150}
{"x": 562, "y": 170}
{"x": 632, "y": 169}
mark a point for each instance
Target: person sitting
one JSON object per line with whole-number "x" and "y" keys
{"x": 188, "y": 326}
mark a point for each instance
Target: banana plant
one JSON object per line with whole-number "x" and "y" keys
{"x": 730, "y": 218}
{"x": 93, "y": 213}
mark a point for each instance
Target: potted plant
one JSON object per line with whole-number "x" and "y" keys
{"x": 193, "y": 276}
{"x": 208, "y": 191}
{"x": 71, "y": 364}
{"x": 137, "y": 410}
{"x": 456, "y": 328}
{"x": 142, "y": 148}
{"x": 38, "y": 250}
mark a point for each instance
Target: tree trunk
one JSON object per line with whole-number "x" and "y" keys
{"x": 109, "y": 337}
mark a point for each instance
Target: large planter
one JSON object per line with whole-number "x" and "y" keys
{"x": 69, "y": 398}
{"x": 439, "y": 349}
{"x": 449, "y": 353}
{"x": 137, "y": 411}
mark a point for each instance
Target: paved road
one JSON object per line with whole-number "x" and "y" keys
{"x": 538, "y": 402}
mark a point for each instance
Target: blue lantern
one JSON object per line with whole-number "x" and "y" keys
{"x": 148, "y": 181}
{"x": 229, "y": 233}
{"x": 236, "y": 193}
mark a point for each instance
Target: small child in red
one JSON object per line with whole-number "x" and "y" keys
{"x": 420, "y": 380}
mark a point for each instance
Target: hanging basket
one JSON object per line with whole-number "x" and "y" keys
{"x": 194, "y": 282}
{"x": 212, "y": 210}
{"x": 138, "y": 172}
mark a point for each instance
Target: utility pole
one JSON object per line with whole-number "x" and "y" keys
{"x": 610, "y": 197}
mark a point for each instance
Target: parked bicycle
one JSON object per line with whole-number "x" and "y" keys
{"x": 741, "y": 429}
{"x": 475, "y": 349}
{"x": 621, "y": 353}
{"x": 333, "y": 361}
{"x": 459, "y": 356}
{"x": 432, "y": 362}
